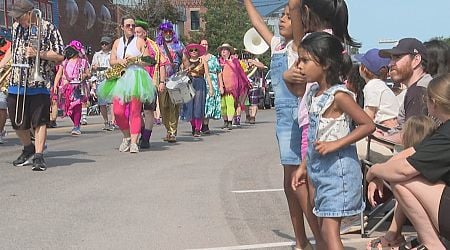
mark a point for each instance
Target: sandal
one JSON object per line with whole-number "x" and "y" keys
{"x": 382, "y": 243}
{"x": 412, "y": 244}
{"x": 308, "y": 247}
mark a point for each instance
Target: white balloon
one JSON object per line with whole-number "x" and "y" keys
{"x": 89, "y": 12}
{"x": 72, "y": 11}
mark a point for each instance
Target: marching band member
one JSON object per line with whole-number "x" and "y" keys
{"x": 32, "y": 96}
{"x": 132, "y": 88}
{"x": 158, "y": 75}
{"x": 100, "y": 63}
{"x": 70, "y": 78}
{"x": 173, "y": 50}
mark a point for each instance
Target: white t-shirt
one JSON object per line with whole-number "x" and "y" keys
{"x": 377, "y": 94}
{"x": 277, "y": 46}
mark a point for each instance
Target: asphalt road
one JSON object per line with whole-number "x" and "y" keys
{"x": 220, "y": 191}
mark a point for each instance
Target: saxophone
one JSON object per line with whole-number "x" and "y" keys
{"x": 4, "y": 77}
{"x": 117, "y": 70}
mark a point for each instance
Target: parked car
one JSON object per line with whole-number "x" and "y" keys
{"x": 269, "y": 97}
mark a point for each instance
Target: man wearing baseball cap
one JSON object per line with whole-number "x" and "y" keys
{"x": 407, "y": 66}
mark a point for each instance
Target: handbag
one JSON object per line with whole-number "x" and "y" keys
{"x": 180, "y": 88}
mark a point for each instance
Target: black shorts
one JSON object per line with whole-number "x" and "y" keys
{"x": 150, "y": 105}
{"x": 36, "y": 111}
{"x": 444, "y": 215}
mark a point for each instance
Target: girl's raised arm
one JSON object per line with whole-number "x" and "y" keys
{"x": 296, "y": 21}
{"x": 258, "y": 22}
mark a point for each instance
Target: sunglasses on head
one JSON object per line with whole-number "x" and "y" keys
{"x": 192, "y": 50}
{"x": 130, "y": 25}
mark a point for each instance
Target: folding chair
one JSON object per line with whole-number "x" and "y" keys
{"x": 390, "y": 204}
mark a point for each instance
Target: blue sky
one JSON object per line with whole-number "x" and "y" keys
{"x": 374, "y": 20}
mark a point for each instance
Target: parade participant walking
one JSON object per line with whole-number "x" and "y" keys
{"x": 131, "y": 89}
{"x": 33, "y": 97}
{"x": 158, "y": 75}
{"x": 4, "y": 46}
{"x": 212, "y": 105}
{"x": 331, "y": 109}
{"x": 173, "y": 50}
{"x": 198, "y": 71}
{"x": 70, "y": 78}
{"x": 100, "y": 63}
{"x": 233, "y": 77}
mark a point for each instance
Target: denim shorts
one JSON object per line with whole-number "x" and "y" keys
{"x": 289, "y": 135}
{"x": 337, "y": 179}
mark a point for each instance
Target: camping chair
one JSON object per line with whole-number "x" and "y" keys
{"x": 389, "y": 204}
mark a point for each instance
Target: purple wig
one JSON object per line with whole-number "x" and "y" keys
{"x": 165, "y": 26}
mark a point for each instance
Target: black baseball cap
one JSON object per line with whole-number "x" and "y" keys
{"x": 406, "y": 46}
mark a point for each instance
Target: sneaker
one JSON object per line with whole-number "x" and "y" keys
{"x": 39, "y": 164}
{"x": 84, "y": 122}
{"x": 52, "y": 124}
{"x": 144, "y": 143}
{"x": 24, "y": 159}
{"x": 76, "y": 131}
{"x": 197, "y": 133}
{"x": 107, "y": 127}
{"x": 134, "y": 148}
{"x": 171, "y": 139}
{"x": 205, "y": 129}
{"x": 125, "y": 145}
{"x": 252, "y": 120}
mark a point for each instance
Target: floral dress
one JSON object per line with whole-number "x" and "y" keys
{"x": 213, "y": 103}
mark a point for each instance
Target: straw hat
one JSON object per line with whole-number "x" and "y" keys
{"x": 200, "y": 49}
{"x": 226, "y": 46}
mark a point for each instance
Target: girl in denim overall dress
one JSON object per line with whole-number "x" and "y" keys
{"x": 332, "y": 163}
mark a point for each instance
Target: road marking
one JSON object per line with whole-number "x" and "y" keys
{"x": 257, "y": 191}
{"x": 275, "y": 244}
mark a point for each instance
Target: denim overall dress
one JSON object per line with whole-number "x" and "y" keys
{"x": 336, "y": 176}
{"x": 288, "y": 133}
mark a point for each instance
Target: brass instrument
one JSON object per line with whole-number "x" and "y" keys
{"x": 116, "y": 71}
{"x": 4, "y": 77}
{"x": 36, "y": 75}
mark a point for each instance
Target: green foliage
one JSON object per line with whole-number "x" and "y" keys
{"x": 155, "y": 16}
{"x": 226, "y": 22}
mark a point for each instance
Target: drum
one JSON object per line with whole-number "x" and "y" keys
{"x": 180, "y": 88}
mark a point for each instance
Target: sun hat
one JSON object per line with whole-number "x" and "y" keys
{"x": 372, "y": 61}
{"x": 225, "y": 46}
{"x": 20, "y": 7}
{"x": 200, "y": 49}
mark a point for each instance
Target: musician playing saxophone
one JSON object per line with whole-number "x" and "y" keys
{"x": 131, "y": 89}
{"x": 36, "y": 106}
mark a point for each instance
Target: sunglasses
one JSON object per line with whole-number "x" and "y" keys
{"x": 130, "y": 25}
{"x": 104, "y": 44}
{"x": 204, "y": 44}
{"x": 193, "y": 50}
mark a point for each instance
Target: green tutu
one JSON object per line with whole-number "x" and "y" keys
{"x": 136, "y": 83}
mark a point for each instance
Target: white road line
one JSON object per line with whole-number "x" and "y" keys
{"x": 256, "y": 191}
{"x": 275, "y": 244}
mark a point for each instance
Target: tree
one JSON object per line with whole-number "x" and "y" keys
{"x": 226, "y": 22}
{"x": 155, "y": 15}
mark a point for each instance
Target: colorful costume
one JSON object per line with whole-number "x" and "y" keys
{"x": 212, "y": 105}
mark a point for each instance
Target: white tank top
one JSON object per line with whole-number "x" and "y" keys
{"x": 131, "y": 49}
